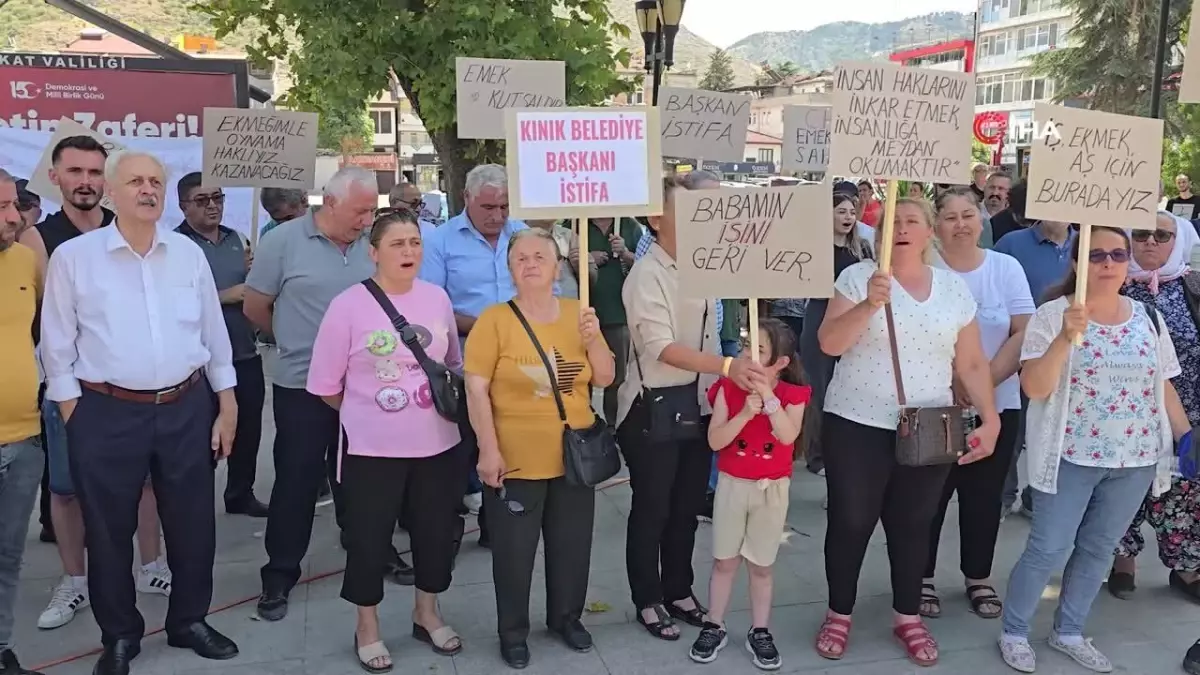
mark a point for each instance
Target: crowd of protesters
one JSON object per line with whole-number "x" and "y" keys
{"x": 420, "y": 372}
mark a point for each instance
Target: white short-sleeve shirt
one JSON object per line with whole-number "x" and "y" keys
{"x": 863, "y": 388}
{"x": 1001, "y": 292}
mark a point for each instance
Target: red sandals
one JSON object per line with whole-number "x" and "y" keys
{"x": 915, "y": 637}
{"x": 835, "y": 631}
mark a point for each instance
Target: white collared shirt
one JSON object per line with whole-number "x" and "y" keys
{"x": 140, "y": 323}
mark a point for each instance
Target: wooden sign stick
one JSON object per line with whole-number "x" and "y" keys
{"x": 254, "y": 207}
{"x": 887, "y": 227}
{"x": 752, "y": 305}
{"x": 1081, "y": 270}
{"x": 585, "y": 260}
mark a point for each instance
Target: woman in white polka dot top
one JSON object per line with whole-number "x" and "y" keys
{"x": 937, "y": 337}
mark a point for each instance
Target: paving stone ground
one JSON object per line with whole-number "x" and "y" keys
{"x": 1146, "y": 636}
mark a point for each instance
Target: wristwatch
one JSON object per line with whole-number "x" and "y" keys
{"x": 771, "y": 405}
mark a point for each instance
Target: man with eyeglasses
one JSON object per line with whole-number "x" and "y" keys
{"x": 282, "y": 205}
{"x": 408, "y": 196}
{"x": 229, "y": 256}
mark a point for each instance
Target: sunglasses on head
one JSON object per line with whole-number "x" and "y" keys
{"x": 1099, "y": 255}
{"x": 514, "y": 507}
{"x": 1160, "y": 236}
{"x": 204, "y": 200}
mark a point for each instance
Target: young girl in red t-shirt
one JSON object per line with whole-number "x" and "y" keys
{"x": 754, "y": 434}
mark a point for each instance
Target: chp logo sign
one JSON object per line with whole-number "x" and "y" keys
{"x": 990, "y": 127}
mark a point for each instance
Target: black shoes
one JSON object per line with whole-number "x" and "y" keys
{"x": 204, "y": 640}
{"x": 709, "y": 643}
{"x": 399, "y": 572}
{"x": 10, "y": 666}
{"x": 515, "y": 655}
{"x": 272, "y": 605}
{"x": 116, "y": 658}
{"x": 46, "y": 537}
{"x": 250, "y": 507}
{"x": 1191, "y": 662}
{"x": 575, "y": 636}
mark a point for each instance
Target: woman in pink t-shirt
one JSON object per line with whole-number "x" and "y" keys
{"x": 400, "y": 454}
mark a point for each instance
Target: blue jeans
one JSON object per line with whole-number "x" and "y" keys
{"x": 1091, "y": 511}
{"x": 20, "y": 476}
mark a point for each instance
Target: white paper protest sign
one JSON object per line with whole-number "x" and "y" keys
{"x": 899, "y": 123}
{"x": 806, "y": 137}
{"x": 259, "y": 147}
{"x": 1189, "y": 83}
{"x": 1097, "y": 168}
{"x": 487, "y": 87}
{"x": 747, "y": 243}
{"x": 699, "y": 124}
{"x": 584, "y": 162}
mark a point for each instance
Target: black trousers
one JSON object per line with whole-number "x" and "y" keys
{"x": 669, "y": 483}
{"x": 306, "y": 442}
{"x": 377, "y": 491}
{"x": 44, "y": 500}
{"x": 113, "y": 445}
{"x": 562, "y": 516}
{"x": 866, "y": 485}
{"x": 251, "y": 391}
{"x": 980, "y": 488}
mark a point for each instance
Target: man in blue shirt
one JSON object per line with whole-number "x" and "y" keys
{"x": 1044, "y": 251}
{"x": 468, "y": 257}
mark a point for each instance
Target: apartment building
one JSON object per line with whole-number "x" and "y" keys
{"x": 1009, "y": 33}
{"x": 401, "y": 136}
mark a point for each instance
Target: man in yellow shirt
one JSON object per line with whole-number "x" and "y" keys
{"x": 21, "y": 455}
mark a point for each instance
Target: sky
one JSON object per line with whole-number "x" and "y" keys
{"x": 723, "y": 22}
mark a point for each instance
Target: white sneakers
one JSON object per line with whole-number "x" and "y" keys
{"x": 69, "y": 597}
{"x": 473, "y": 502}
{"x": 1019, "y": 655}
{"x": 71, "y": 594}
{"x": 154, "y": 578}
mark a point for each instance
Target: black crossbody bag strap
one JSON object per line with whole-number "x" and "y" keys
{"x": 399, "y": 323}
{"x": 562, "y": 410}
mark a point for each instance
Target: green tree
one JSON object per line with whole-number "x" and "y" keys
{"x": 342, "y": 52}
{"x": 719, "y": 75}
{"x": 346, "y": 129}
{"x": 786, "y": 69}
{"x": 980, "y": 153}
{"x": 1109, "y": 59}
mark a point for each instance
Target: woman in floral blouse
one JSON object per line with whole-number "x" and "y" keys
{"x": 1160, "y": 276}
{"x": 1102, "y": 415}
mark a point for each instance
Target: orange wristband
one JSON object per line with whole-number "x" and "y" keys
{"x": 725, "y": 366}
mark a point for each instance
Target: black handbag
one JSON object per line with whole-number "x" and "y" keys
{"x": 672, "y": 413}
{"x": 447, "y": 387}
{"x": 590, "y": 456}
{"x": 924, "y": 436}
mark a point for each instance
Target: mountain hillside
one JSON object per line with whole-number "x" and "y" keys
{"x": 32, "y": 25}
{"x": 824, "y": 46}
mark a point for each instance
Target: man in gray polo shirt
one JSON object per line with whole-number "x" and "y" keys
{"x": 297, "y": 272}
{"x": 228, "y": 255}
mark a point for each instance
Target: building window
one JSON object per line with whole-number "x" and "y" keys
{"x": 1027, "y": 7}
{"x": 639, "y": 98}
{"x": 994, "y": 45}
{"x": 995, "y": 10}
{"x": 1037, "y": 38}
{"x": 766, "y": 155}
{"x": 1012, "y": 88}
{"x": 382, "y": 120}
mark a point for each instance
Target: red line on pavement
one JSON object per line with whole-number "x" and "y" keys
{"x": 237, "y": 603}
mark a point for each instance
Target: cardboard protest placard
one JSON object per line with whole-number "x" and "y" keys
{"x": 584, "y": 163}
{"x": 1189, "y": 83}
{"x": 487, "y": 87}
{"x": 40, "y": 183}
{"x": 1095, "y": 168}
{"x": 806, "y": 137}
{"x": 700, "y": 124}
{"x": 755, "y": 242}
{"x": 259, "y": 147}
{"x": 902, "y": 123}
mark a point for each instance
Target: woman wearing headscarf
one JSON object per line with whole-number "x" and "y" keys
{"x": 1159, "y": 275}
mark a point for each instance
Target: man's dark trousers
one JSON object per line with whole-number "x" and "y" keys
{"x": 243, "y": 461}
{"x": 113, "y": 444}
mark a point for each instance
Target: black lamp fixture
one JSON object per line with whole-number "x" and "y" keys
{"x": 647, "y": 18}
{"x": 670, "y": 12}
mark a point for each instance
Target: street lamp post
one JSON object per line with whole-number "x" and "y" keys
{"x": 1160, "y": 58}
{"x": 658, "y": 22}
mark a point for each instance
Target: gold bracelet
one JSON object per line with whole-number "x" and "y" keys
{"x": 725, "y": 366}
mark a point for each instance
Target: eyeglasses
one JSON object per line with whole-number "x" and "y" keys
{"x": 415, "y": 204}
{"x": 204, "y": 200}
{"x": 1160, "y": 236}
{"x": 1099, "y": 255}
{"x": 514, "y": 507}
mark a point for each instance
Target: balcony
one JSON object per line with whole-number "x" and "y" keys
{"x": 1009, "y": 61}
{"x": 989, "y": 22}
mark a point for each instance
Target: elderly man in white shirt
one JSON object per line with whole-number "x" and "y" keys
{"x": 131, "y": 330}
